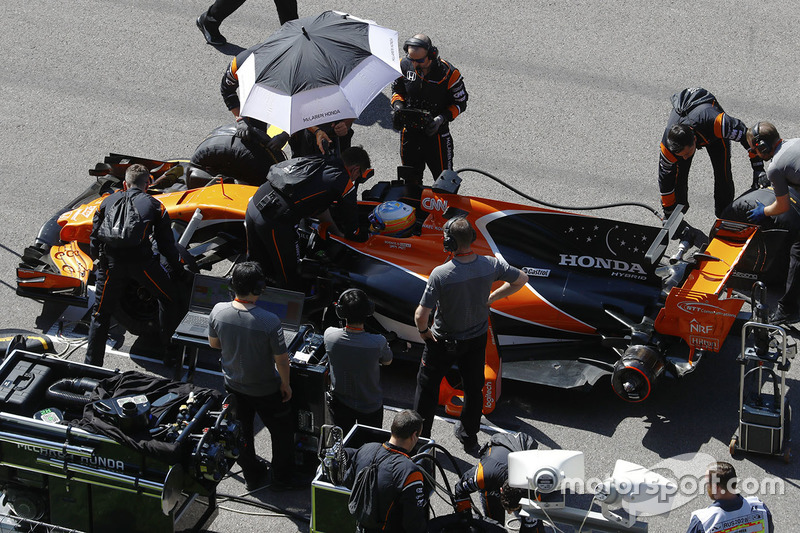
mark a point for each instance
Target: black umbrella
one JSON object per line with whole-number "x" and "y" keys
{"x": 316, "y": 70}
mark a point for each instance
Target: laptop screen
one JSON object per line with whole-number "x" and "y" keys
{"x": 288, "y": 305}
{"x": 207, "y": 291}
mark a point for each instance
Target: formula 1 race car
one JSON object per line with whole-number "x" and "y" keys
{"x": 602, "y": 300}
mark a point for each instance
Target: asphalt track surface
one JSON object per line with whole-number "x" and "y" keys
{"x": 568, "y": 101}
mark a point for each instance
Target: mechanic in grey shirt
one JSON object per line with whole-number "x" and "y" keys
{"x": 355, "y": 357}
{"x": 255, "y": 365}
{"x": 461, "y": 292}
{"x": 784, "y": 171}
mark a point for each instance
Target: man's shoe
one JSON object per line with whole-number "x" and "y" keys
{"x": 259, "y": 478}
{"x": 470, "y": 443}
{"x": 258, "y": 483}
{"x": 781, "y": 316}
{"x": 172, "y": 355}
{"x": 210, "y": 31}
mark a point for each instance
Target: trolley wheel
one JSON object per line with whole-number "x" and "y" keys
{"x": 733, "y": 447}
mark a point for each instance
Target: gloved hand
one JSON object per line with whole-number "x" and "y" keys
{"x": 276, "y": 143}
{"x": 760, "y": 179}
{"x": 756, "y": 215}
{"x": 242, "y": 130}
{"x": 464, "y": 505}
{"x": 434, "y": 125}
{"x": 396, "y": 122}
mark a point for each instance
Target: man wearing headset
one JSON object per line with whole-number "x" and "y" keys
{"x": 431, "y": 84}
{"x": 783, "y": 172}
{"x": 698, "y": 121}
{"x": 255, "y": 366}
{"x": 355, "y": 358}
{"x": 461, "y": 292}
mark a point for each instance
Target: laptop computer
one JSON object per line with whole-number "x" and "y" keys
{"x": 288, "y": 305}
{"x": 207, "y": 291}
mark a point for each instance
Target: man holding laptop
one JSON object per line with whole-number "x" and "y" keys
{"x": 255, "y": 366}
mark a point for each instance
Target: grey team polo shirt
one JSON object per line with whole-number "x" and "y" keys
{"x": 250, "y": 341}
{"x": 461, "y": 291}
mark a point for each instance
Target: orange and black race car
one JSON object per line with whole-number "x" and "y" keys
{"x": 601, "y": 301}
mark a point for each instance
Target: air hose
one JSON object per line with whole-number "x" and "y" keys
{"x": 554, "y": 206}
{"x": 72, "y": 391}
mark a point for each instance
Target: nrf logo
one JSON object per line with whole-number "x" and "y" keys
{"x": 703, "y": 329}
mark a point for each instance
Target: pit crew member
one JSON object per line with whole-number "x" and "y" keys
{"x": 431, "y": 84}
{"x": 116, "y": 267}
{"x": 698, "y": 121}
{"x": 355, "y": 358}
{"x": 461, "y": 292}
{"x": 401, "y": 497}
{"x": 322, "y": 187}
{"x": 490, "y": 478}
{"x": 783, "y": 172}
{"x": 730, "y": 511}
{"x": 253, "y": 132}
{"x": 255, "y": 366}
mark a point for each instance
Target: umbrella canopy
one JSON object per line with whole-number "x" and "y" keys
{"x": 316, "y": 70}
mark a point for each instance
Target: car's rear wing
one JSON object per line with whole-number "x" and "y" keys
{"x": 698, "y": 311}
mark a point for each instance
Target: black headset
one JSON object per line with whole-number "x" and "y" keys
{"x": 450, "y": 243}
{"x": 346, "y": 311}
{"x": 762, "y": 145}
{"x": 433, "y": 52}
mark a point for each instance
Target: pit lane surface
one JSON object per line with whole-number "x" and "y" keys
{"x": 568, "y": 101}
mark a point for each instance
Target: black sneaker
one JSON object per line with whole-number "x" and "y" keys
{"x": 172, "y": 355}
{"x": 470, "y": 443}
{"x": 210, "y": 31}
{"x": 260, "y": 477}
{"x": 780, "y": 316}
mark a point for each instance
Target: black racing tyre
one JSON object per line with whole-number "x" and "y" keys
{"x": 738, "y": 210}
{"x": 137, "y": 311}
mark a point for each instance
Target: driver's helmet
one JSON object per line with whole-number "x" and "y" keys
{"x": 392, "y": 218}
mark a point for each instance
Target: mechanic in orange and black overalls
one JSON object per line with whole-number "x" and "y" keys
{"x": 431, "y": 84}
{"x": 324, "y": 187}
{"x": 698, "y": 121}
{"x": 117, "y": 267}
{"x": 401, "y": 493}
{"x": 490, "y": 479}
